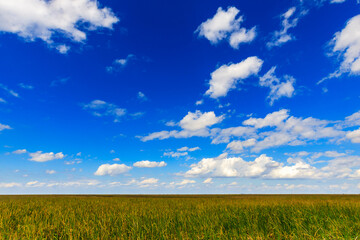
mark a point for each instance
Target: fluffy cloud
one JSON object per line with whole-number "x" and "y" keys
{"x": 101, "y": 108}
{"x": 226, "y": 25}
{"x": 39, "y": 156}
{"x": 267, "y": 168}
{"x": 50, "y": 172}
{"x": 354, "y": 136}
{"x": 3, "y": 127}
{"x": 289, "y": 20}
{"x": 149, "y": 164}
{"x": 227, "y": 76}
{"x": 278, "y": 89}
{"x": 40, "y": 19}
{"x": 112, "y": 169}
{"x": 347, "y": 44}
{"x": 238, "y": 146}
{"x": 184, "y": 149}
{"x": 198, "y": 120}
{"x": 193, "y": 124}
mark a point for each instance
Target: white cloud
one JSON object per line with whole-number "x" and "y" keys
{"x": 3, "y": 127}
{"x": 198, "y": 120}
{"x": 112, "y": 169}
{"x": 10, "y": 185}
{"x": 50, "y": 172}
{"x": 347, "y": 44}
{"x": 193, "y": 124}
{"x": 35, "y": 184}
{"x": 238, "y": 146}
{"x": 39, "y": 156}
{"x": 354, "y": 136}
{"x": 25, "y": 86}
{"x": 227, "y": 76}
{"x": 101, "y": 108}
{"x": 288, "y": 21}
{"x": 278, "y": 89}
{"x": 40, "y": 19}
{"x": 2, "y": 100}
{"x": 225, "y": 25}
{"x": 271, "y": 120}
{"x": 120, "y": 63}
{"x": 149, "y": 164}
{"x": 208, "y": 181}
{"x": 116, "y": 159}
{"x": 267, "y": 168}
{"x": 199, "y": 102}
{"x": 176, "y": 154}
{"x": 63, "y": 48}
{"x": 142, "y": 183}
{"x": 8, "y": 90}
{"x": 142, "y": 96}
{"x": 20, "y": 151}
{"x": 184, "y": 149}
{"x": 183, "y": 182}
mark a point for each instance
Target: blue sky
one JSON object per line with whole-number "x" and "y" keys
{"x": 179, "y": 97}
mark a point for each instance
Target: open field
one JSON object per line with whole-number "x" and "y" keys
{"x": 180, "y": 217}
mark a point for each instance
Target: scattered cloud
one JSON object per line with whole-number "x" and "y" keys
{"x": 25, "y": 86}
{"x": 149, "y": 164}
{"x": 20, "y": 151}
{"x": 208, "y": 181}
{"x": 40, "y": 19}
{"x": 3, "y": 127}
{"x": 346, "y": 44}
{"x": 354, "y": 136}
{"x": 120, "y": 63}
{"x": 193, "y": 124}
{"x": 39, "y": 156}
{"x": 50, "y": 172}
{"x": 8, "y": 90}
{"x": 227, "y": 76}
{"x": 112, "y": 169}
{"x": 9, "y": 185}
{"x": 278, "y": 88}
{"x": 289, "y": 20}
{"x": 141, "y": 96}
{"x": 101, "y": 108}
{"x": 225, "y": 25}
{"x": 267, "y": 168}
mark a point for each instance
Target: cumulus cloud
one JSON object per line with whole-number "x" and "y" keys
{"x": 149, "y": 164}
{"x": 278, "y": 88}
{"x": 112, "y": 169}
{"x": 193, "y": 124}
{"x": 198, "y": 120}
{"x": 225, "y": 25}
{"x": 101, "y": 108}
{"x": 346, "y": 44}
{"x": 354, "y": 136}
{"x": 289, "y": 20}
{"x": 184, "y": 149}
{"x": 267, "y": 168}
{"x": 40, "y": 19}
{"x": 238, "y": 146}
{"x": 39, "y": 156}
{"x": 227, "y": 76}
{"x": 142, "y": 183}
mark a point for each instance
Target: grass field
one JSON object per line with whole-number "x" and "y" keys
{"x": 180, "y": 217}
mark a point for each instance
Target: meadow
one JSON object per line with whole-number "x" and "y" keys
{"x": 180, "y": 217}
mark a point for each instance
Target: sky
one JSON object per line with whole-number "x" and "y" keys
{"x": 179, "y": 97}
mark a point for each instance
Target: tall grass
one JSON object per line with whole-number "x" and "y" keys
{"x": 180, "y": 217}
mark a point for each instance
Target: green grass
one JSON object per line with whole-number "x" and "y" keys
{"x": 180, "y": 217}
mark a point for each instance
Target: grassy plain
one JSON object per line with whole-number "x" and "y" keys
{"x": 180, "y": 217}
